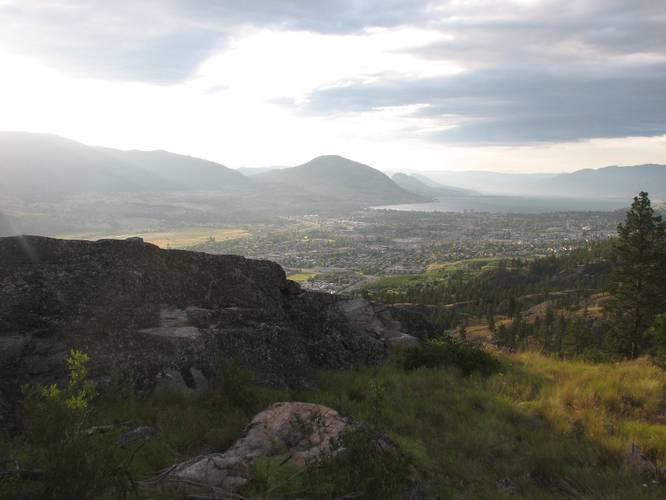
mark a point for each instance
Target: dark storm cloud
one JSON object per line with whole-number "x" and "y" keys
{"x": 578, "y": 30}
{"x": 519, "y": 106}
{"x": 549, "y": 72}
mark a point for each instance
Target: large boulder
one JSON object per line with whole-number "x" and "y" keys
{"x": 299, "y": 432}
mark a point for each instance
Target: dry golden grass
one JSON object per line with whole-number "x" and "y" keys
{"x": 300, "y": 277}
{"x": 614, "y": 404}
{"x": 175, "y": 238}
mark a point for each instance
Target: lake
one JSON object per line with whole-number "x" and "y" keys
{"x": 513, "y": 204}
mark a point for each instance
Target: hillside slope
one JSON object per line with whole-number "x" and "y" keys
{"x": 45, "y": 165}
{"x": 606, "y": 182}
{"x": 337, "y": 179}
{"x": 415, "y": 185}
{"x": 611, "y": 182}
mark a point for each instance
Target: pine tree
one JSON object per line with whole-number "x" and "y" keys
{"x": 638, "y": 285}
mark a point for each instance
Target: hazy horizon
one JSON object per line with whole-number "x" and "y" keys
{"x": 388, "y": 171}
{"x": 521, "y": 86}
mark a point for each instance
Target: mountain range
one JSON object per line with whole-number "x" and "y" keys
{"x": 420, "y": 184}
{"x": 40, "y": 165}
{"x": 340, "y": 180}
{"x": 52, "y": 185}
{"x": 606, "y": 182}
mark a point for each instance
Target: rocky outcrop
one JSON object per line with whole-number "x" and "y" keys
{"x": 397, "y": 324}
{"x": 167, "y": 317}
{"x": 299, "y": 433}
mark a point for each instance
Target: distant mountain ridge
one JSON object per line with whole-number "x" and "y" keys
{"x": 51, "y": 185}
{"x": 333, "y": 177}
{"x": 605, "y": 182}
{"x": 419, "y": 185}
{"x": 48, "y": 164}
{"x": 40, "y": 164}
{"x": 486, "y": 182}
{"x": 613, "y": 181}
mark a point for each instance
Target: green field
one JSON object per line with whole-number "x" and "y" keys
{"x": 481, "y": 263}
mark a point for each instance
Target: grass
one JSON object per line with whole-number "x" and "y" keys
{"x": 615, "y": 404}
{"x": 396, "y": 283}
{"x": 481, "y": 333}
{"x": 538, "y": 428}
{"x": 174, "y": 238}
{"x": 479, "y": 263}
{"x": 547, "y": 428}
{"x": 435, "y": 274}
{"x": 300, "y": 277}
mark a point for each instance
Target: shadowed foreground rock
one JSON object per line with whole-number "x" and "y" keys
{"x": 301, "y": 432}
{"x": 167, "y": 317}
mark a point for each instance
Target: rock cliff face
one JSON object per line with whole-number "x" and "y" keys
{"x": 167, "y": 316}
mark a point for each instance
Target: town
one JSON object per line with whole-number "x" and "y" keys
{"x": 342, "y": 253}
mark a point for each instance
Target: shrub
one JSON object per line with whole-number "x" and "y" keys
{"x": 234, "y": 385}
{"x": 58, "y": 458}
{"x": 359, "y": 464}
{"x": 274, "y": 476}
{"x": 356, "y": 466}
{"x": 445, "y": 351}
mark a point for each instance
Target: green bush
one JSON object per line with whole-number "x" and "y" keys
{"x": 234, "y": 385}
{"x": 276, "y": 477}
{"x": 356, "y": 466}
{"x": 58, "y": 458}
{"x": 359, "y": 465}
{"x": 445, "y": 351}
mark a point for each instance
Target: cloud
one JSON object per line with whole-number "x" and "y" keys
{"x": 517, "y": 106}
{"x": 164, "y": 41}
{"x": 534, "y": 72}
{"x": 528, "y": 71}
{"x": 118, "y": 40}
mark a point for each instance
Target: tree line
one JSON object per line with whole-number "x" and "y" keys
{"x": 633, "y": 320}
{"x": 630, "y": 269}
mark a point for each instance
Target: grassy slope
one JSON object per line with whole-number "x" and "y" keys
{"x": 555, "y": 429}
{"x": 544, "y": 427}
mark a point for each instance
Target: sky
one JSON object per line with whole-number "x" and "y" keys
{"x": 504, "y": 85}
